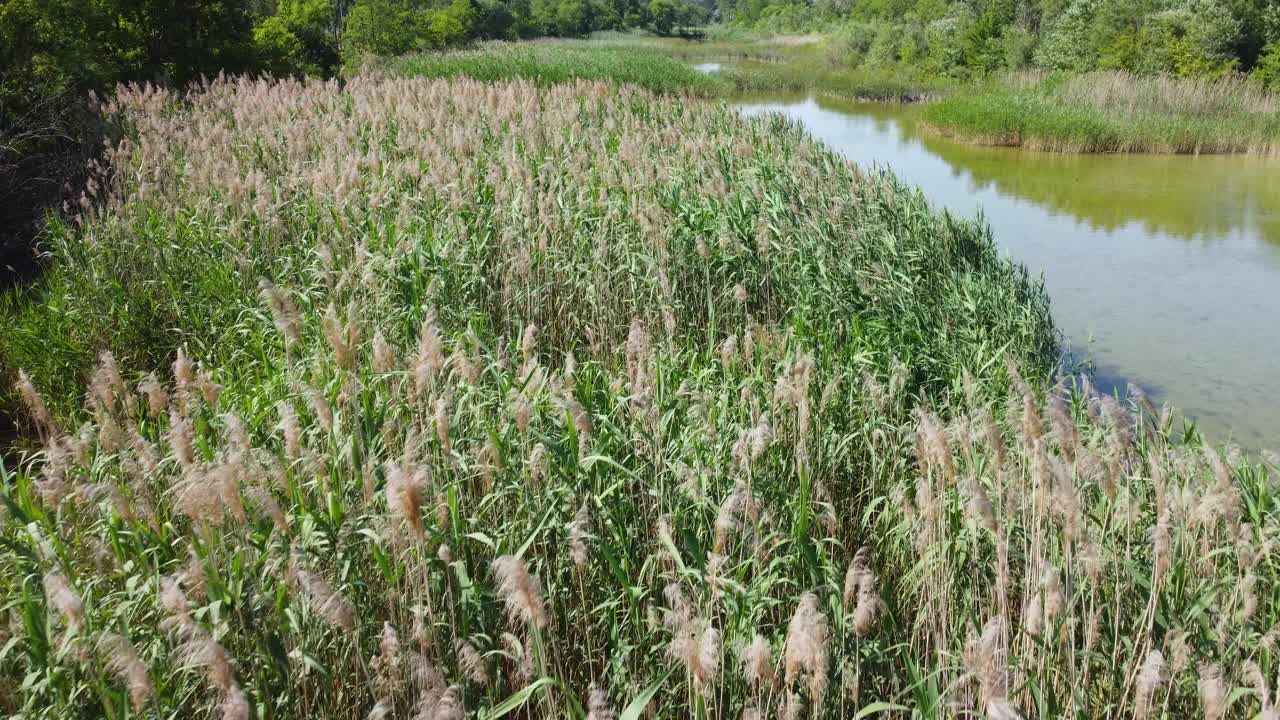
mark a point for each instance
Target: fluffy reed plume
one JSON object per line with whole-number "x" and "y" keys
{"x": 521, "y": 592}
{"x": 1064, "y": 427}
{"x": 860, "y": 584}
{"x": 382, "y": 710}
{"x": 386, "y": 666}
{"x": 539, "y": 466}
{"x": 327, "y": 603}
{"x": 385, "y": 359}
{"x": 210, "y": 391}
{"x": 1269, "y": 702}
{"x": 123, "y": 662}
{"x": 805, "y": 652}
{"x": 1045, "y": 603}
{"x": 343, "y": 337}
{"x": 521, "y": 411}
{"x": 1121, "y": 424}
{"x": 184, "y": 378}
{"x": 35, "y": 404}
{"x": 472, "y": 664}
{"x": 1150, "y": 678}
{"x": 429, "y": 360}
{"x": 757, "y": 663}
{"x": 284, "y": 312}
{"x": 985, "y": 662}
{"x": 579, "y": 533}
{"x": 106, "y": 384}
{"x": 978, "y": 508}
{"x": 235, "y": 706}
{"x": 698, "y": 652}
{"x": 59, "y": 594}
{"x": 405, "y": 491}
{"x": 529, "y": 342}
{"x": 181, "y": 440}
{"x": 199, "y": 497}
{"x": 936, "y": 445}
{"x": 445, "y": 706}
{"x": 598, "y": 707}
{"x": 727, "y": 520}
{"x": 200, "y": 651}
{"x": 1213, "y": 691}
{"x": 319, "y": 408}
{"x": 290, "y": 429}
{"x": 729, "y": 351}
{"x": 443, "y": 425}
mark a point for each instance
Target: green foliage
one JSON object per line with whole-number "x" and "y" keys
{"x": 379, "y": 27}
{"x": 1268, "y": 71}
{"x": 1069, "y": 42}
{"x": 980, "y": 38}
{"x": 668, "y": 16}
{"x": 313, "y": 23}
{"x": 279, "y": 48}
{"x": 663, "y": 14}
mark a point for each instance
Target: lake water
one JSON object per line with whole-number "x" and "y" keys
{"x": 1163, "y": 270}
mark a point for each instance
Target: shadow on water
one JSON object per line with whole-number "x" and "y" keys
{"x": 1167, "y": 268}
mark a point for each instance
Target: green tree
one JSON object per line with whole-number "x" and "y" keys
{"x": 664, "y": 14}
{"x": 379, "y": 27}
{"x": 448, "y": 25}
{"x": 1068, "y": 43}
{"x": 280, "y": 50}
{"x": 981, "y": 48}
{"x": 315, "y": 24}
{"x": 176, "y": 42}
{"x": 1268, "y": 70}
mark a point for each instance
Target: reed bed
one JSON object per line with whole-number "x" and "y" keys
{"x": 556, "y": 61}
{"x": 1103, "y": 112}
{"x": 444, "y": 399}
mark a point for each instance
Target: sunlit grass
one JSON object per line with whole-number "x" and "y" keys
{"x": 558, "y": 61}
{"x": 1114, "y": 112}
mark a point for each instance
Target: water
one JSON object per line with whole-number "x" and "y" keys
{"x": 1163, "y": 270}
{"x": 709, "y": 68}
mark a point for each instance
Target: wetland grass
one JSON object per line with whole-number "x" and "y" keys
{"x": 443, "y": 399}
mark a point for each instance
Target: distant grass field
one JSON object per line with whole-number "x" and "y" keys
{"x": 783, "y": 64}
{"x": 1113, "y": 112}
{"x": 787, "y": 63}
{"x": 559, "y": 61}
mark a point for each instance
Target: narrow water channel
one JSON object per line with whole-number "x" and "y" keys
{"x": 1163, "y": 270}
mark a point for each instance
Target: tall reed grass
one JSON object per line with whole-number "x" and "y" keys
{"x": 1115, "y": 112}
{"x": 445, "y": 399}
{"x": 556, "y": 61}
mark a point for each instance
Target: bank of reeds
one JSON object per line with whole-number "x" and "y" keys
{"x": 444, "y": 399}
{"x": 1104, "y": 112}
{"x": 557, "y": 61}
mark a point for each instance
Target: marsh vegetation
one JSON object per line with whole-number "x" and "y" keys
{"x": 535, "y": 380}
{"x": 445, "y": 398}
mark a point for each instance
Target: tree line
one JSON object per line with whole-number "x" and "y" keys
{"x": 968, "y": 38}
